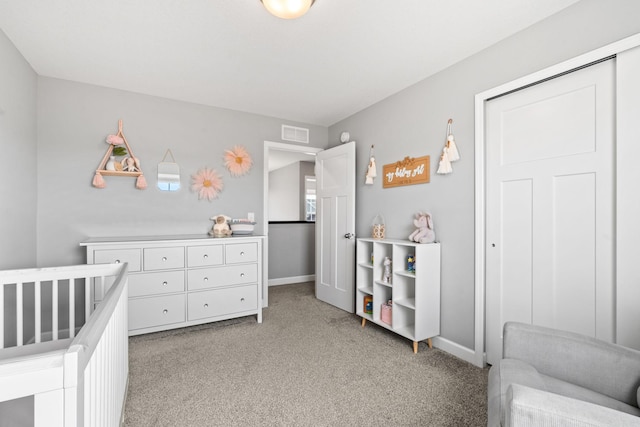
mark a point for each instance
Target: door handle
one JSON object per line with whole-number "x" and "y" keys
{"x": 349, "y": 236}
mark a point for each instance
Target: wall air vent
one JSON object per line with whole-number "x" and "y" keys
{"x": 295, "y": 134}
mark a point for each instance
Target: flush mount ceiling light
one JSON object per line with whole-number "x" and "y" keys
{"x": 287, "y": 9}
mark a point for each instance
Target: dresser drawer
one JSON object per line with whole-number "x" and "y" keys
{"x": 241, "y": 252}
{"x": 110, "y": 256}
{"x": 163, "y": 258}
{"x": 162, "y": 282}
{"x": 156, "y": 311}
{"x": 202, "y": 278}
{"x": 204, "y": 256}
{"x": 220, "y": 302}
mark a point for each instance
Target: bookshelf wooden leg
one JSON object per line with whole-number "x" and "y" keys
{"x": 364, "y": 321}
{"x": 415, "y": 347}
{"x": 429, "y": 343}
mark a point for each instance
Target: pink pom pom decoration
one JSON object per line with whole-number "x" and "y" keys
{"x": 98, "y": 181}
{"x": 141, "y": 183}
{"x": 115, "y": 140}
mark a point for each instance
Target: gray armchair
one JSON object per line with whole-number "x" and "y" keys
{"x": 555, "y": 378}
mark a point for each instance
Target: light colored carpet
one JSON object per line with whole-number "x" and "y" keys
{"x": 307, "y": 364}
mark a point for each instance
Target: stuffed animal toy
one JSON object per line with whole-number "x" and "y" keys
{"x": 221, "y": 226}
{"x": 424, "y": 232}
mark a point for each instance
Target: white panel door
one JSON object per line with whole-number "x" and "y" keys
{"x": 335, "y": 220}
{"x": 550, "y": 206}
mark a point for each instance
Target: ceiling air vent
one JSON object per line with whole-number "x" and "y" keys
{"x": 295, "y": 134}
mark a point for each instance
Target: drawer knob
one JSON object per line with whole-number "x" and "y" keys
{"x": 206, "y": 279}
{"x": 206, "y": 305}
{"x": 242, "y": 253}
{"x": 241, "y": 299}
{"x": 164, "y": 258}
{"x": 164, "y": 283}
{"x": 117, "y": 261}
{"x": 206, "y": 256}
{"x": 241, "y": 274}
{"x": 165, "y": 311}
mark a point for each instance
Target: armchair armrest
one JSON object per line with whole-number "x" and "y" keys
{"x": 603, "y": 367}
{"x": 528, "y": 406}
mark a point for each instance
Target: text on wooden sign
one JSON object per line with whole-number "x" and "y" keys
{"x": 406, "y": 172}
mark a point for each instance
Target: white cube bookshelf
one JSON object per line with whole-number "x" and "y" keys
{"x": 415, "y": 296}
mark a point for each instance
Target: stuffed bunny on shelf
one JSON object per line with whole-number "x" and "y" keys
{"x": 424, "y": 232}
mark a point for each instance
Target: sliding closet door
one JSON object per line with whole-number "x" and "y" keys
{"x": 550, "y": 206}
{"x": 628, "y": 200}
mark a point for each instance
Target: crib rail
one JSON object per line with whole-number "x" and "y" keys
{"x": 100, "y": 356}
{"x": 30, "y": 310}
{"x": 78, "y": 381}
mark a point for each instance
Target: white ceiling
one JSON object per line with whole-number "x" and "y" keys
{"x": 340, "y": 58}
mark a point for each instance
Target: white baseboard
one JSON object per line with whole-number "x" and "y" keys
{"x": 457, "y": 350}
{"x": 293, "y": 279}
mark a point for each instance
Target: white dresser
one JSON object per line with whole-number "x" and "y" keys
{"x": 183, "y": 280}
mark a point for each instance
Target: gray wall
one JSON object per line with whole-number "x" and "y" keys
{"x": 284, "y": 193}
{"x": 73, "y": 121}
{"x": 18, "y": 190}
{"x": 413, "y": 123}
{"x": 291, "y": 250}
{"x": 287, "y": 192}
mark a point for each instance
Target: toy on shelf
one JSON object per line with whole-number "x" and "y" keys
{"x": 411, "y": 263}
{"x": 378, "y": 227}
{"x": 386, "y": 275}
{"x": 109, "y": 166}
{"x": 368, "y": 304}
{"x": 424, "y": 225}
{"x": 220, "y": 226}
{"x": 386, "y": 311}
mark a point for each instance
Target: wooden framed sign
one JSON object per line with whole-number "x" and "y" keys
{"x": 406, "y": 172}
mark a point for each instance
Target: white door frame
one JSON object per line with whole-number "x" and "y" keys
{"x": 268, "y": 145}
{"x": 479, "y": 356}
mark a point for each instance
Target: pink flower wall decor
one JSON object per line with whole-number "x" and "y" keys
{"x": 114, "y": 140}
{"x": 207, "y": 183}
{"x": 237, "y": 160}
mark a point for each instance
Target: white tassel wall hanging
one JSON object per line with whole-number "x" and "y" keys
{"x": 449, "y": 152}
{"x": 452, "y": 150}
{"x": 371, "y": 168}
{"x": 444, "y": 167}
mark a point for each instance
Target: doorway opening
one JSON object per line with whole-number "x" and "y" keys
{"x": 278, "y": 155}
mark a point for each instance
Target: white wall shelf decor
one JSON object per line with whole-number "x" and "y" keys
{"x": 185, "y": 280}
{"x": 415, "y": 295}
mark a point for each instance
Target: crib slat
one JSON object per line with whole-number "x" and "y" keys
{"x": 72, "y": 310}
{"x": 19, "y": 319}
{"x": 87, "y": 298}
{"x": 38, "y": 308}
{"x": 54, "y": 310}
{"x": 101, "y": 288}
{"x": 2, "y": 286}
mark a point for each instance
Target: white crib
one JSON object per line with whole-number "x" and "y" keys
{"x": 68, "y": 379}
